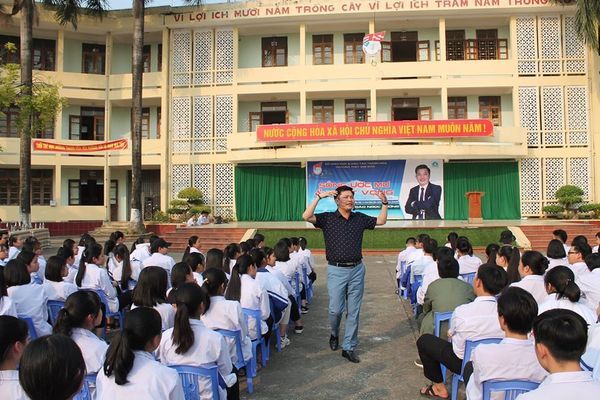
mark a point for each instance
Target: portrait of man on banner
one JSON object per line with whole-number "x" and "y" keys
{"x": 423, "y": 200}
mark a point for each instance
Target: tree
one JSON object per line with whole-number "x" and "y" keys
{"x": 586, "y": 19}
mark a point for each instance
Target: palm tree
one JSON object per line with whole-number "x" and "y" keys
{"x": 586, "y": 19}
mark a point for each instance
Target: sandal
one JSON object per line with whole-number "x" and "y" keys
{"x": 430, "y": 393}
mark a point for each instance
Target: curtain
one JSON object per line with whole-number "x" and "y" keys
{"x": 270, "y": 193}
{"x": 498, "y": 180}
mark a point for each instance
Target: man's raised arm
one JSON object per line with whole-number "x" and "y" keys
{"x": 309, "y": 214}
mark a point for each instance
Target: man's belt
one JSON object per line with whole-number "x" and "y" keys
{"x": 349, "y": 264}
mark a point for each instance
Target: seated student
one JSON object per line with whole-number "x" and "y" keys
{"x": 192, "y": 221}
{"x": 190, "y": 342}
{"x": 55, "y": 286}
{"x": 159, "y": 258}
{"x": 180, "y": 274}
{"x": 507, "y": 238}
{"x": 79, "y": 317}
{"x": 130, "y": 370}
{"x": 7, "y": 306}
{"x": 259, "y": 240}
{"x": 561, "y": 235}
{"x": 14, "y": 247}
{"x": 591, "y": 358}
{"x": 490, "y": 251}
{"x": 414, "y": 259}
{"x": 86, "y": 240}
{"x": 466, "y": 260}
{"x": 403, "y": 257}
{"x": 476, "y": 320}
{"x": 141, "y": 250}
{"x": 151, "y": 291}
{"x": 444, "y": 294}
{"x": 192, "y": 247}
{"x": 91, "y": 275}
{"x": 196, "y": 263}
{"x": 595, "y": 248}
{"x": 452, "y": 238}
{"x": 230, "y": 254}
{"x": 430, "y": 273}
{"x": 576, "y": 256}
{"x": 31, "y": 244}
{"x": 556, "y": 254}
{"x": 118, "y": 237}
{"x": 564, "y": 293}
{"x": 70, "y": 244}
{"x": 69, "y": 257}
{"x": 51, "y": 367}
{"x": 514, "y": 357}
{"x": 125, "y": 272}
{"x": 108, "y": 248}
{"x": 508, "y": 258}
{"x": 309, "y": 260}
{"x": 31, "y": 261}
{"x": 589, "y": 284}
{"x": 204, "y": 218}
{"x": 29, "y": 298}
{"x": 215, "y": 259}
{"x": 13, "y": 339}
{"x": 244, "y": 288}
{"x": 532, "y": 267}
{"x": 560, "y": 339}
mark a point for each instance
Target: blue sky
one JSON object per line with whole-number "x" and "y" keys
{"x": 120, "y": 4}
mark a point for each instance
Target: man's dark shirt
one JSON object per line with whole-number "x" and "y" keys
{"x": 343, "y": 238}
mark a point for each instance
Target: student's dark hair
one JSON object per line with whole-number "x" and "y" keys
{"x": 94, "y": 250}
{"x": 448, "y": 267}
{"x": 76, "y": 310}
{"x": 561, "y": 234}
{"x": 464, "y": 246}
{"x": 12, "y": 330}
{"x": 245, "y": 247}
{"x": 268, "y": 251}
{"x": 579, "y": 240}
{"x": 490, "y": 251}
{"x": 152, "y": 238}
{"x": 556, "y": 249}
{"x": 229, "y": 254}
{"x": 563, "y": 332}
{"x": 259, "y": 237}
{"x": 422, "y": 237}
{"x": 597, "y": 235}
{"x": 86, "y": 239}
{"x": 12, "y": 239}
{"x": 51, "y": 367}
{"x": 430, "y": 246}
{"x": 54, "y": 268}
{"x": 513, "y": 256}
{"x": 151, "y": 288}
{"x": 493, "y": 278}
{"x": 215, "y": 259}
{"x": 563, "y": 280}
{"x": 507, "y": 237}
{"x": 281, "y": 251}
{"x": 16, "y": 274}
{"x": 123, "y": 252}
{"x": 535, "y": 261}
{"x": 340, "y": 189}
{"x": 294, "y": 241}
{"x": 193, "y": 260}
{"x": 452, "y": 238}
{"x": 422, "y": 166}
{"x": 593, "y": 261}
{"x": 141, "y": 325}
{"x": 137, "y": 241}
{"x": 65, "y": 252}
{"x": 116, "y": 235}
{"x": 302, "y": 242}
{"x": 109, "y": 246}
{"x": 583, "y": 248}
{"x": 189, "y": 298}
{"x": 258, "y": 256}
{"x": 442, "y": 252}
{"x": 213, "y": 279}
{"x": 191, "y": 242}
{"x": 68, "y": 243}
{"x": 3, "y": 291}
{"x": 26, "y": 256}
{"x": 411, "y": 240}
{"x": 234, "y": 289}
{"x": 519, "y": 308}
{"x": 251, "y": 242}
{"x": 179, "y": 274}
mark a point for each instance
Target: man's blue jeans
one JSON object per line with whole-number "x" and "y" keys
{"x": 345, "y": 287}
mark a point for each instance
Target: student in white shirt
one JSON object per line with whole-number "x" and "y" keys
{"x": 67, "y": 254}
{"x": 29, "y": 299}
{"x": 125, "y": 272}
{"x": 13, "y": 339}
{"x": 466, "y": 260}
{"x": 192, "y": 220}
{"x": 33, "y": 245}
{"x": 130, "y": 369}
{"x": 308, "y": 257}
{"x": 193, "y": 246}
{"x": 560, "y": 234}
{"x": 508, "y": 258}
{"x": 514, "y": 357}
{"x": 591, "y": 358}
{"x": 7, "y": 306}
{"x": 190, "y": 342}
{"x": 414, "y": 259}
{"x": 476, "y": 320}
{"x": 14, "y": 247}
{"x": 490, "y": 251}
{"x": 118, "y": 237}
{"x": 560, "y": 340}
{"x": 532, "y": 267}
{"x": 215, "y": 258}
{"x": 151, "y": 291}
{"x": 556, "y": 254}
{"x": 564, "y": 293}
{"x": 159, "y": 257}
{"x": 140, "y": 251}
{"x": 590, "y": 283}
{"x": 595, "y": 248}
{"x": 403, "y": 257}
{"x": 245, "y": 289}
{"x": 430, "y": 272}
{"x": 576, "y": 256}
{"x": 230, "y": 255}
{"x": 196, "y": 263}
{"x": 31, "y": 261}
{"x": 86, "y": 240}
{"x": 79, "y": 317}
{"x": 180, "y": 275}
{"x": 55, "y": 286}
{"x": 204, "y": 218}
{"x": 452, "y": 238}
{"x": 91, "y": 275}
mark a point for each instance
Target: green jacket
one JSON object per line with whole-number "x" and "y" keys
{"x": 444, "y": 295}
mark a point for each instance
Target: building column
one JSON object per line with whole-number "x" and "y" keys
{"x": 60, "y": 51}
{"x": 164, "y": 120}
{"x": 57, "y": 189}
{"x": 373, "y": 105}
{"x": 444, "y": 95}
{"x": 442, "y": 34}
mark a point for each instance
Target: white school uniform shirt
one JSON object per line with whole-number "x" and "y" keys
{"x": 10, "y": 388}
{"x": 92, "y": 347}
{"x": 590, "y": 286}
{"x": 256, "y": 298}
{"x": 554, "y": 262}
{"x": 209, "y": 347}
{"x": 595, "y": 249}
{"x": 403, "y": 258}
{"x": 535, "y": 285}
{"x": 579, "y": 268}
{"x": 227, "y": 314}
{"x": 414, "y": 260}
{"x": 430, "y": 274}
{"x": 30, "y": 300}
{"x": 565, "y": 385}
{"x": 117, "y": 269}
{"x": 308, "y": 258}
{"x": 72, "y": 273}
{"x": 13, "y": 252}
{"x": 591, "y": 357}
{"x": 167, "y": 314}
{"x": 148, "y": 379}
{"x": 164, "y": 261}
{"x": 202, "y": 220}
{"x": 195, "y": 250}
{"x": 468, "y": 264}
{"x": 141, "y": 252}
{"x": 473, "y": 321}
{"x": 273, "y": 287}
{"x": 58, "y": 290}
{"x": 198, "y": 278}
{"x": 79, "y": 254}
{"x": 552, "y": 301}
{"x": 511, "y": 359}
{"x": 282, "y": 278}
{"x": 7, "y": 306}
{"x": 190, "y": 222}
{"x": 231, "y": 264}
{"x": 97, "y": 278}
{"x": 42, "y": 270}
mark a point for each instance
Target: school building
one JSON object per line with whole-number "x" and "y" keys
{"x": 214, "y": 74}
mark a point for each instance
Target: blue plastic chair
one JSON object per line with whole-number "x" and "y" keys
{"x": 307, "y": 283}
{"x": 120, "y": 315}
{"x": 414, "y": 287}
{"x": 402, "y": 292}
{"x": 30, "y": 326}
{"x": 237, "y": 337}
{"x": 511, "y": 389}
{"x": 469, "y": 278}
{"x": 276, "y": 330}
{"x": 54, "y": 306}
{"x": 85, "y": 393}
{"x": 189, "y": 380}
{"x": 438, "y": 318}
{"x": 469, "y": 346}
{"x": 259, "y": 341}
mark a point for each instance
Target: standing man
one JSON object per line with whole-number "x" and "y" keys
{"x": 424, "y": 199}
{"x": 343, "y": 232}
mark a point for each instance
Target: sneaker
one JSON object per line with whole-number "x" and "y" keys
{"x": 304, "y": 309}
{"x": 299, "y": 329}
{"x": 285, "y": 342}
{"x": 418, "y": 363}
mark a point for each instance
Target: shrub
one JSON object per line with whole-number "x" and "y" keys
{"x": 197, "y": 210}
{"x": 160, "y": 216}
{"x": 593, "y": 208}
{"x": 191, "y": 195}
{"x": 569, "y": 195}
{"x": 552, "y": 209}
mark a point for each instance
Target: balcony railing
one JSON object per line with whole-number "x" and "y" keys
{"x": 474, "y": 49}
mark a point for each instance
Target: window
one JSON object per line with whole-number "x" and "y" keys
{"x": 146, "y": 123}
{"x": 457, "y": 107}
{"x": 159, "y": 57}
{"x": 8, "y": 122}
{"x": 9, "y": 57}
{"x": 489, "y": 108}
{"x": 487, "y": 44}
{"x": 93, "y": 56}
{"x": 322, "y": 111}
{"x": 9, "y": 187}
{"x": 274, "y": 52}
{"x": 88, "y": 190}
{"x": 73, "y": 192}
{"x": 322, "y": 49}
{"x": 41, "y": 186}
{"x": 353, "y": 53}
{"x": 356, "y": 110}
{"x": 146, "y": 58}
{"x": 455, "y": 45}
{"x": 87, "y": 126}
{"x": 274, "y": 112}
{"x": 44, "y": 52}
{"x": 158, "y": 117}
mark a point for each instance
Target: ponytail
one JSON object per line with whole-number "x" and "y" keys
{"x": 230, "y": 253}
{"x": 562, "y": 280}
{"x": 191, "y": 242}
{"x": 123, "y": 253}
{"x": 12, "y": 330}
{"x": 535, "y": 261}
{"x": 189, "y": 299}
{"x": 213, "y": 279}
{"x": 234, "y": 288}
{"x": 76, "y": 310}
{"x": 513, "y": 266}
{"x": 93, "y": 250}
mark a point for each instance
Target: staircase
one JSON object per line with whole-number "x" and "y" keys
{"x": 209, "y": 237}
{"x": 102, "y": 233}
{"x": 540, "y": 235}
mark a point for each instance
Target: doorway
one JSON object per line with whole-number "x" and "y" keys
{"x": 404, "y": 46}
{"x": 114, "y": 200}
{"x": 91, "y": 189}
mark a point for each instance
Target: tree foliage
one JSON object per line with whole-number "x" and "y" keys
{"x": 587, "y": 16}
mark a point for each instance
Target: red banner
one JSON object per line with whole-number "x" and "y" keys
{"x": 42, "y": 145}
{"x": 375, "y": 130}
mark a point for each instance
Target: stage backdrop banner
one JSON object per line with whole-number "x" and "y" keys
{"x": 394, "y": 177}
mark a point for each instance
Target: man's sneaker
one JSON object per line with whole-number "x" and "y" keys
{"x": 304, "y": 309}
{"x": 418, "y": 363}
{"x": 285, "y": 342}
{"x": 299, "y": 329}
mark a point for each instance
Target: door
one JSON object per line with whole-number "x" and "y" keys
{"x": 404, "y": 46}
{"x": 114, "y": 200}
{"x": 405, "y": 109}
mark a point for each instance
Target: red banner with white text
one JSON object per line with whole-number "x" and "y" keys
{"x": 42, "y": 145}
